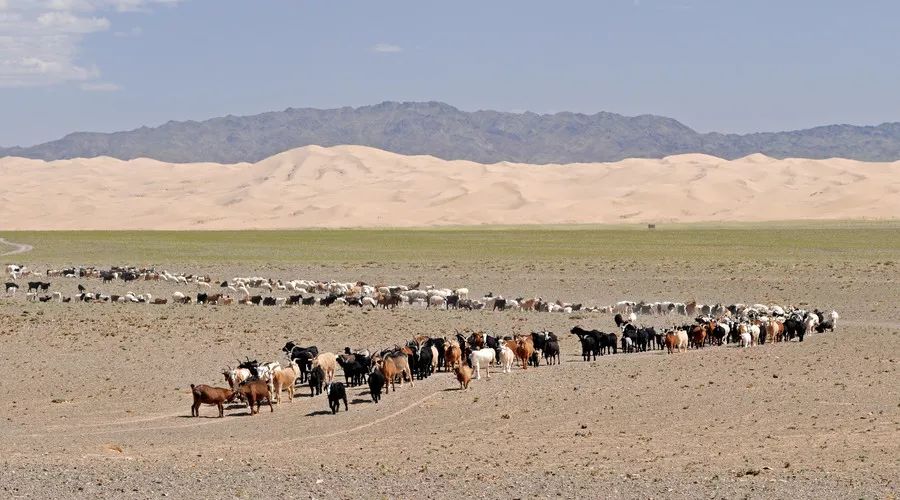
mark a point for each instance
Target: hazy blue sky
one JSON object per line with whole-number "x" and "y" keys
{"x": 731, "y": 66}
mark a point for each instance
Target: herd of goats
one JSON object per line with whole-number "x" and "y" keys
{"x": 466, "y": 356}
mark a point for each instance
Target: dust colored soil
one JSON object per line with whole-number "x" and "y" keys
{"x": 96, "y": 403}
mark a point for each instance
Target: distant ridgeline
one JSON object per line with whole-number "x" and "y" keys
{"x": 437, "y": 129}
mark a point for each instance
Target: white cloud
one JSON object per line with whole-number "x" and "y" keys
{"x": 65, "y": 22}
{"x": 386, "y": 48}
{"x": 133, "y": 32}
{"x": 40, "y": 40}
{"x": 100, "y": 87}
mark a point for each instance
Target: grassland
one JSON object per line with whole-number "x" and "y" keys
{"x": 834, "y": 241}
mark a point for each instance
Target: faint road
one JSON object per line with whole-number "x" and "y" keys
{"x": 17, "y": 247}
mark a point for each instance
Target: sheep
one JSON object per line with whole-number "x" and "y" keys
{"x": 437, "y": 301}
{"x": 328, "y": 362}
{"x": 208, "y": 395}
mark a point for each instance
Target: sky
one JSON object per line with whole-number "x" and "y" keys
{"x": 714, "y": 65}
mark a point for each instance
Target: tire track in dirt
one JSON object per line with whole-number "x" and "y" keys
{"x": 17, "y": 247}
{"x": 212, "y": 420}
{"x": 281, "y": 441}
{"x": 367, "y": 424}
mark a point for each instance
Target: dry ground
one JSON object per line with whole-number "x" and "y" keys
{"x": 96, "y": 401}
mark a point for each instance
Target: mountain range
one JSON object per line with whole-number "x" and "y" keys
{"x": 441, "y": 130}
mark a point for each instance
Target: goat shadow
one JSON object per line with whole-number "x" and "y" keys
{"x": 356, "y": 401}
{"x": 319, "y": 412}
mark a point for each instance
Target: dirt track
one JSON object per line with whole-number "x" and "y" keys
{"x": 97, "y": 401}
{"x": 17, "y": 247}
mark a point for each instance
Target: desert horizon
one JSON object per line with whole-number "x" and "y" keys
{"x": 363, "y": 187}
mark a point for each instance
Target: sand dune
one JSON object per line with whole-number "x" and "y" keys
{"x": 354, "y": 186}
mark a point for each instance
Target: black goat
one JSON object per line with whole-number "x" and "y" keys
{"x": 336, "y": 393}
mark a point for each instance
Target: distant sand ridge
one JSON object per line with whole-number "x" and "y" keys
{"x": 355, "y": 186}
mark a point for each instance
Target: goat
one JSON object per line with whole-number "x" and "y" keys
{"x": 316, "y": 381}
{"x": 328, "y": 362}
{"x": 255, "y": 391}
{"x": 507, "y": 358}
{"x": 452, "y": 355}
{"x": 285, "y": 379}
{"x": 336, "y": 393}
{"x": 235, "y": 377}
{"x": 208, "y": 395}
{"x": 551, "y": 350}
{"x": 482, "y": 357}
{"x": 394, "y": 366}
{"x": 524, "y": 350}
{"x": 463, "y": 375}
{"x": 376, "y": 384}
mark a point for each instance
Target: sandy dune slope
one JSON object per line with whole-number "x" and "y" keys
{"x": 354, "y": 186}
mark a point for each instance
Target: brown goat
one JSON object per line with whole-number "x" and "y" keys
{"x": 255, "y": 392}
{"x": 452, "y": 355}
{"x": 463, "y": 375}
{"x": 284, "y": 380}
{"x": 524, "y": 349}
{"x": 698, "y": 336}
{"x": 671, "y": 342}
{"x": 208, "y": 395}
{"x": 477, "y": 340}
{"x": 395, "y": 366}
